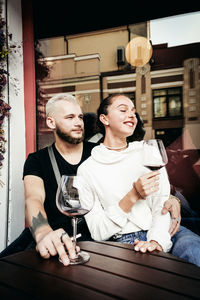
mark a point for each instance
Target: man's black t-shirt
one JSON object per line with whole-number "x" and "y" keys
{"x": 39, "y": 164}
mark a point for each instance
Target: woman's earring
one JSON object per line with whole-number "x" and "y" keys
{"x": 107, "y": 123}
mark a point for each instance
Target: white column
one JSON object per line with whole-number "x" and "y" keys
{"x": 13, "y": 193}
{"x": 4, "y": 171}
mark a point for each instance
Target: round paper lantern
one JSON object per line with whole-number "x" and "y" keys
{"x": 138, "y": 51}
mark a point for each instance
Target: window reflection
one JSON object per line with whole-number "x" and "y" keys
{"x": 92, "y": 65}
{"x": 169, "y": 105}
{"x": 165, "y": 91}
{"x": 160, "y": 107}
{"x": 175, "y": 107}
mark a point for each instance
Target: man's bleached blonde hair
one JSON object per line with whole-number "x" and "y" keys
{"x": 50, "y": 106}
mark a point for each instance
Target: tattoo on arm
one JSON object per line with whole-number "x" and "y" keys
{"x": 37, "y": 222}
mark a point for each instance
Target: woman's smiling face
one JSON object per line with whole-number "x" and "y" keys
{"x": 121, "y": 116}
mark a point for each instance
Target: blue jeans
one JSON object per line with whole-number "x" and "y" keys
{"x": 129, "y": 238}
{"x": 186, "y": 245}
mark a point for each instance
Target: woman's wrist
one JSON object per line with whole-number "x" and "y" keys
{"x": 136, "y": 191}
{"x": 129, "y": 200}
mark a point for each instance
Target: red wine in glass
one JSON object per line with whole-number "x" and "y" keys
{"x": 154, "y": 168}
{"x": 155, "y": 156}
{"x": 68, "y": 203}
{"x": 78, "y": 213}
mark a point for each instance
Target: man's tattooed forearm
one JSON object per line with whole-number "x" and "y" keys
{"x": 37, "y": 222}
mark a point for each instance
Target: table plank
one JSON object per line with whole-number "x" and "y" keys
{"x": 126, "y": 277}
{"x": 161, "y": 279}
{"x": 130, "y": 246}
{"x": 162, "y": 261}
{"x": 42, "y": 286}
{"x": 104, "y": 283}
{"x": 7, "y": 292}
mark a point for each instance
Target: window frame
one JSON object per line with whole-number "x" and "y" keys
{"x": 168, "y": 95}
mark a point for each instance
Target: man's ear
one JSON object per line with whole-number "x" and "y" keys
{"x": 51, "y": 122}
{"x": 103, "y": 118}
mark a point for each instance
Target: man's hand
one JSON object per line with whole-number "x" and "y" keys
{"x": 49, "y": 244}
{"x": 144, "y": 246}
{"x": 172, "y": 205}
{"x": 48, "y": 241}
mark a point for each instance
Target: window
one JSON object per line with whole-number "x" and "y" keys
{"x": 167, "y": 103}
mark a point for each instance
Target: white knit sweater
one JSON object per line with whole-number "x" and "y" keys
{"x": 105, "y": 178}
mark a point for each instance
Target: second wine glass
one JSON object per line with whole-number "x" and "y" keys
{"x": 155, "y": 156}
{"x": 68, "y": 203}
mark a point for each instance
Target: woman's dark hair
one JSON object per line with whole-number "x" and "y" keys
{"x": 89, "y": 120}
{"x": 103, "y": 109}
{"x": 139, "y": 131}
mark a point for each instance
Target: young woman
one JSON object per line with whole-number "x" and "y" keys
{"x": 125, "y": 195}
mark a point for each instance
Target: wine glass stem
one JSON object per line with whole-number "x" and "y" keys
{"x": 74, "y": 225}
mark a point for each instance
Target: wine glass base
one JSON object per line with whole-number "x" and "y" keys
{"x": 81, "y": 258}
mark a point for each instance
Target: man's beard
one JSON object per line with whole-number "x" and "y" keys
{"x": 67, "y": 138}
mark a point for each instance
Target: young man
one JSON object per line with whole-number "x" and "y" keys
{"x": 65, "y": 118}
{"x": 47, "y": 225}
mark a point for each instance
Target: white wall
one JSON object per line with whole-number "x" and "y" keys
{"x": 12, "y": 194}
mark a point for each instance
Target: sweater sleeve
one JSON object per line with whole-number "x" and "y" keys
{"x": 159, "y": 230}
{"x": 102, "y": 222}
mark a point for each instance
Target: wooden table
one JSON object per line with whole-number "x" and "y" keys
{"x": 115, "y": 271}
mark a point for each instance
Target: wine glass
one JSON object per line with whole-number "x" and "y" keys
{"x": 68, "y": 203}
{"x": 155, "y": 156}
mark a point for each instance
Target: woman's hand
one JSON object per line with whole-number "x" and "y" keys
{"x": 172, "y": 205}
{"x": 147, "y": 184}
{"x": 144, "y": 246}
{"x": 143, "y": 187}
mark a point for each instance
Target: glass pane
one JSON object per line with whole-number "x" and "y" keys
{"x": 159, "y": 92}
{"x": 80, "y": 64}
{"x": 174, "y": 106}
{"x": 174, "y": 91}
{"x": 160, "y": 107}
{"x": 90, "y": 66}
